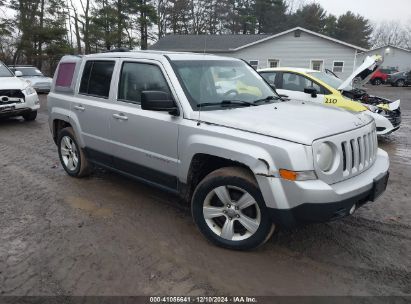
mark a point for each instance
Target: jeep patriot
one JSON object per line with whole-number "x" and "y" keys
{"x": 211, "y": 129}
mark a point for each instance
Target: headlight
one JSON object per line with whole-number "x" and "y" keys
{"x": 29, "y": 90}
{"x": 372, "y": 108}
{"x": 325, "y": 157}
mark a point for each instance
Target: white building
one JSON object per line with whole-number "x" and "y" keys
{"x": 297, "y": 47}
{"x": 394, "y": 57}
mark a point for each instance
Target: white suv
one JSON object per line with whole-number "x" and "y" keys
{"x": 17, "y": 97}
{"x": 247, "y": 160}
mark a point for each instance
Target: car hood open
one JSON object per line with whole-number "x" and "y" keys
{"x": 363, "y": 73}
{"x": 292, "y": 120}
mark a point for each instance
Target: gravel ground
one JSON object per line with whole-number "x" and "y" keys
{"x": 107, "y": 235}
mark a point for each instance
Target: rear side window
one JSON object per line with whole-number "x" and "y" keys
{"x": 65, "y": 74}
{"x": 138, "y": 77}
{"x": 96, "y": 78}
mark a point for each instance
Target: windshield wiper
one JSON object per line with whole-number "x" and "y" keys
{"x": 267, "y": 99}
{"x": 226, "y": 103}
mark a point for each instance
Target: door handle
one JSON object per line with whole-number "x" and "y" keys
{"x": 120, "y": 116}
{"x": 79, "y": 108}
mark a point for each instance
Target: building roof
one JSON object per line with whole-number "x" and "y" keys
{"x": 228, "y": 43}
{"x": 206, "y": 43}
{"x": 390, "y": 46}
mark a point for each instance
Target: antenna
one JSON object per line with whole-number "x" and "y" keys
{"x": 199, "y": 116}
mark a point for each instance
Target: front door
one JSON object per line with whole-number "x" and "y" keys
{"x": 145, "y": 142}
{"x": 293, "y": 85}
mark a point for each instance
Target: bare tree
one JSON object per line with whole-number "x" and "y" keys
{"x": 390, "y": 33}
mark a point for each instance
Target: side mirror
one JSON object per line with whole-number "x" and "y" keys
{"x": 312, "y": 91}
{"x": 18, "y": 73}
{"x": 158, "y": 101}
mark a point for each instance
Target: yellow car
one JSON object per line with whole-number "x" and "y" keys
{"x": 324, "y": 87}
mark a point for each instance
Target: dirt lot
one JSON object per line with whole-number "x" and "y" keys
{"x": 107, "y": 235}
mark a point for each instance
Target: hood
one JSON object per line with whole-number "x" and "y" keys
{"x": 363, "y": 73}
{"x": 37, "y": 79}
{"x": 12, "y": 83}
{"x": 292, "y": 120}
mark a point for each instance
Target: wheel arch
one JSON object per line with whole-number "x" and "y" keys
{"x": 202, "y": 164}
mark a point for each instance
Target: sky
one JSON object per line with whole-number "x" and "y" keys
{"x": 375, "y": 10}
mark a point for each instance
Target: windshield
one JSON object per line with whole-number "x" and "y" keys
{"x": 30, "y": 71}
{"x": 327, "y": 78}
{"x": 219, "y": 81}
{"x": 4, "y": 71}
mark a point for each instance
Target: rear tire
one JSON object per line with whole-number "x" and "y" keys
{"x": 30, "y": 116}
{"x": 400, "y": 83}
{"x": 72, "y": 156}
{"x": 229, "y": 210}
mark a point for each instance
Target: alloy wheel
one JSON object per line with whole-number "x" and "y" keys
{"x": 69, "y": 153}
{"x": 231, "y": 213}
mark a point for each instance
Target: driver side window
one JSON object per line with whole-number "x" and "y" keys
{"x": 138, "y": 77}
{"x": 295, "y": 82}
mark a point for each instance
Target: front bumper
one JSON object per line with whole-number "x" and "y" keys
{"x": 287, "y": 199}
{"x": 307, "y": 213}
{"x": 387, "y": 124}
{"x": 31, "y": 103}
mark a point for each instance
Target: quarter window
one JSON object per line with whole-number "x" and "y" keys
{"x": 138, "y": 77}
{"x": 96, "y": 78}
{"x": 338, "y": 66}
{"x": 65, "y": 74}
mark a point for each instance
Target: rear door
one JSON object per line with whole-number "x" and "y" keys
{"x": 90, "y": 108}
{"x": 145, "y": 142}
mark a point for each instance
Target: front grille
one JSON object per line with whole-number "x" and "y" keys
{"x": 356, "y": 151}
{"x": 11, "y": 96}
{"x": 359, "y": 153}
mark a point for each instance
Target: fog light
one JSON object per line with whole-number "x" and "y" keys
{"x": 352, "y": 209}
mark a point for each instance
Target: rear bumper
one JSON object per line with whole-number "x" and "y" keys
{"x": 307, "y": 213}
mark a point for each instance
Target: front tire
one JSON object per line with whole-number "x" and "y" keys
{"x": 30, "y": 116}
{"x": 229, "y": 210}
{"x": 377, "y": 82}
{"x": 72, "y": 156}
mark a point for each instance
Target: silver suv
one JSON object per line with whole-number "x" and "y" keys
{"x": 212, "y": 130}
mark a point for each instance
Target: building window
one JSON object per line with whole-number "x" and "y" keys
{"x": 273, "y": 63}
{"x": 338, "y": 66}
{"x": 254, "y": 64}
{"x": 317, "y": 65}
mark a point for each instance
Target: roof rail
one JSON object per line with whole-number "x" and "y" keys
{"x": 121, "y": 49}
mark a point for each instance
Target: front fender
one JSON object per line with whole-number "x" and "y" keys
{"x": 256, "y": 158}
{"x": 263, "y": 155}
